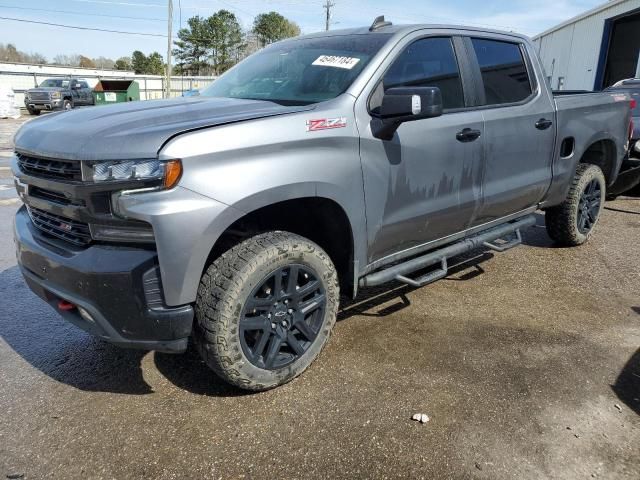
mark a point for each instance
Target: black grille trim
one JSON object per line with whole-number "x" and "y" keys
{"x": 63, "y": 228}
{"x": 52, "y": 196}
{"x": 49, "y": 168}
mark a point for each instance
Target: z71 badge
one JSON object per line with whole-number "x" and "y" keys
{"x": 326, "y": 124}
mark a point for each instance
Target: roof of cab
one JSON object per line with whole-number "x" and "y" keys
{"x": 405, "y": 29}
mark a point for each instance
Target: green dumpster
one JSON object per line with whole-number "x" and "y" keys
{"x": 116, "y": 91}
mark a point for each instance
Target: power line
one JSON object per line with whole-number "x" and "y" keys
{"x": 83, "y": 28}
{"x": 83, "y": 14}
{"x": 129, "y": 4}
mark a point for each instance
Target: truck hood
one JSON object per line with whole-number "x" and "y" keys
{"x": 134, "y": 130}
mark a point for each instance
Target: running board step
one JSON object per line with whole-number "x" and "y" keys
{"x": 428, "y": 278}
{"x": 503, "y": 247}
{"x": 483, "y": 239}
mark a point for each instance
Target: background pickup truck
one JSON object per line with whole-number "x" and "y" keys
{"x": 317, "y": 166}
{"x": 58, "y": 94}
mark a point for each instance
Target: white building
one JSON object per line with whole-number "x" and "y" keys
{"x": 594, "y": 50}
{"x": 21, "y": 77}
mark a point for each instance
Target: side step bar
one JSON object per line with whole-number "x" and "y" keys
{"x": 484, "y": 239}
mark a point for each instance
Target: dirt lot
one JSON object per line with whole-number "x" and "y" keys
{"x": 528, "y": 365}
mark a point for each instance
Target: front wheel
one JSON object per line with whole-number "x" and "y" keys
{"x": 572, "y": 222}
{"x": 265, "y": 309}
{"x": 67, "y": 105}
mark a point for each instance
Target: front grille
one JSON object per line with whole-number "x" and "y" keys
{"x": 47, "y": 168}
{"x": 39, "y": 96}
{"x": 61, "y": 227}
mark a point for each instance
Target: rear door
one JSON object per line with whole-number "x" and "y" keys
{"x": 519, "y": 134}
{"x": 76, "y": 92}
{"x": 86, "y": 93}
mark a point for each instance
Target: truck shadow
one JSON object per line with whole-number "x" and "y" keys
{"x": 70, "y": 356}
{"x": 537, "y": 236}
{"x": 369, "y": 298}
{"x": 62, "y": 352}
{"x": 627, "y": 386}
{"x": 189, "y": 372}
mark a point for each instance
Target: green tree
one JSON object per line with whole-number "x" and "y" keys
{"x": 224, "y": 40}
{"x": 191, "y": 51}
{"x": 271, "y": 27}
{"x": 155, "y": 64}
{"x": 138, "y": 62}
{"x": 86, "y": 62}
{"x": 123, "y": 63}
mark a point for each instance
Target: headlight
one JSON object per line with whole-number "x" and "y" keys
{"x": 168, "y": 172}
{"x": 55, "y": 94}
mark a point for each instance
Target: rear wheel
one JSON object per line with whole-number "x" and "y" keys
{"x": 265, "y": 310}
{"x": 572, "y": 222}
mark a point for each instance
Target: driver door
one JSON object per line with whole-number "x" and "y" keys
{"x": 424, "y": 184}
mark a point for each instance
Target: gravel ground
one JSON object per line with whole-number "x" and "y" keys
{"x": 528, "y": 364}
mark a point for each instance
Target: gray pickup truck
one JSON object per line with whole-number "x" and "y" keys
{"x": 319, "y": 165}
{"x": 58, "y": 94}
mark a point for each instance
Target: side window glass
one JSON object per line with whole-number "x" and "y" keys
{"x": 503, "y": 70}
{"x": 429, "y": 62}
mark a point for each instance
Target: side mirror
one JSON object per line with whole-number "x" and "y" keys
{"x": 406, "y": 104}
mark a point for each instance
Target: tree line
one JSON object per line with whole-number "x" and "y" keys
{"x": 138, "y": 62}
{"x": 207, "y": 46}
{"x": 214, "y": 44}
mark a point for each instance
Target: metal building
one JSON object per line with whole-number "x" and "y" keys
{"x": 594, "y": 50}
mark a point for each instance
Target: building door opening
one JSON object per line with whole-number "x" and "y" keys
{"x": 624, "y": 49}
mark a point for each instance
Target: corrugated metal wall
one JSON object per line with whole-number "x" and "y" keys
{"x": 21, "y": 77}
{"x": 572, "y": 52}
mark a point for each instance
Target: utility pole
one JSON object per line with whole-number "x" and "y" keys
{"x": 167, "y": 82}
{"x": 328, "y": 6}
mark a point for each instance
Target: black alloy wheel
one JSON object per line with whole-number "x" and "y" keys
{"x": 282, "y": 317}
{"x": 589, "y": 206}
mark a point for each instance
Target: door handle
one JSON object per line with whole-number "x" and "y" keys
{"x": 468, "y": 135}
{"x": 543, "y": 124}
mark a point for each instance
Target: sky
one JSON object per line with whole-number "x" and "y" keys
{"x": 150, "y": 17}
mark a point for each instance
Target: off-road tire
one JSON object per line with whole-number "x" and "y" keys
{"x": 33, "y": 111}
{"x": 562, "y": 221}
{"x": 227, "y": 284}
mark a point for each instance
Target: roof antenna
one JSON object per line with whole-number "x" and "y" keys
{"x": 379, "y": 22}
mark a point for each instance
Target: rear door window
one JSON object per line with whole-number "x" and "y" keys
{"x": 429, "y": 62}
{"x": 504, "y": 72}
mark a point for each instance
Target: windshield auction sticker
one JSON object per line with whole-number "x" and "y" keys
{"x": 337, "y": 62}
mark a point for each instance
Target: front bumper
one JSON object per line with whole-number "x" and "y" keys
{"x": 44, "y": 104}
{"x": 117, "y": 286}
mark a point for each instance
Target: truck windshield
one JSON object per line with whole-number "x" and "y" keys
{"x": 299, "y": 72}
{"x": 53, "y": 82}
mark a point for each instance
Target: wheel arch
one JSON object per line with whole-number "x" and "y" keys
{"x": 319, "y": 218}
{"x": 602, "y": 151}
